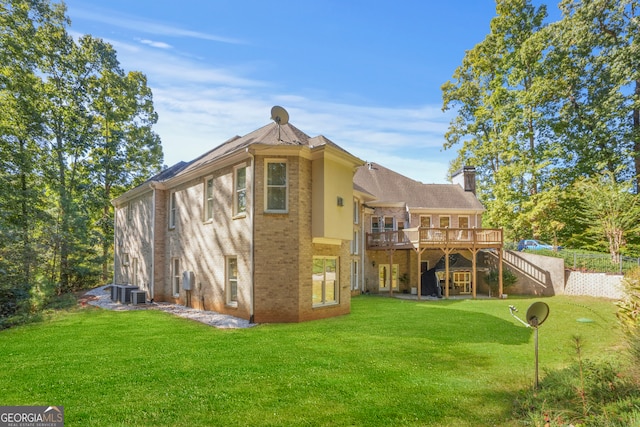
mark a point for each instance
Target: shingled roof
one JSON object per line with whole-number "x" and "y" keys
{"x": 390, "y": 187}
{"x": 287, "y": 135}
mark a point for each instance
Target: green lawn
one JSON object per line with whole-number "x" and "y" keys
{"x": 390, "y": 362}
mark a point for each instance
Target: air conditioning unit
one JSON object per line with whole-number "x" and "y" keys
{"x": 138, "y": 297}
{"x": 124, "y": 293}
{"x": 114, "y": 292}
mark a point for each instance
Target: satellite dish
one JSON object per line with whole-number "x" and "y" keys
{"x": 537, "y": 313}
{"x": 279, "y": 115}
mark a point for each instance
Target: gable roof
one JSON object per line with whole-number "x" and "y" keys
{"x": 391, "y": 188}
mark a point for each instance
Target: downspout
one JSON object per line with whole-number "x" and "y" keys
{"x": 253, "y": 236}
{"x": 115, "y": 243}
{"x": 363, "y": 249}
{"x": 152, "y": 282}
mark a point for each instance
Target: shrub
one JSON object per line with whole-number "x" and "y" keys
{"x": 508, "y": 279}
{"x": 612, "y": 399}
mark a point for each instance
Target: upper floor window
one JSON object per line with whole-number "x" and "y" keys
{"x": 276, "y": 186}
{"x": 129, "y": 211}
{"x": 425, "y": 221}
{"x": 172, "y": 210}
{"x": 208, "y": 199}
{"x": 356, "y": 211}
{"x": 375, "y": 224}
{"x": 463, "y": 222}
{"x": 445, "y": 221}
{"x": 240, "y": 193}
{"x": 388, "y": 223}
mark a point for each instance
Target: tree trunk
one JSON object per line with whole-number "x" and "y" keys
{"x": 64, "y": 212}
{"x": 635, "y": 132}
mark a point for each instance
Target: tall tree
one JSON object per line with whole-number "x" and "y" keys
{"x": 599, "y": 120}
{"x": 22, "y": 203}
{"x": 124, "y": 148}
{"x": 498, "y": 95}
{"x": 75, "y": 130}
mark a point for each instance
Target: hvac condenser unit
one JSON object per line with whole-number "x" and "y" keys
{"x": 124, "y": 293}
{"x": 114, "y": 292}
{"x": 138, "y": 297}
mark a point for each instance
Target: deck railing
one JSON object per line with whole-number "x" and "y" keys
{"x": 435, "y": 237}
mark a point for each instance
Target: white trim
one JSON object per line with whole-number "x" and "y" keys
{"x": 266, "y": 185}
{"x": 175, "y": 277}
{"x": 336, "y": 282}
{"x": 235, "y": 211}
{"x": 173, "y": 210}
{"x": 207, "y": 216}
{"x": 227, "y": 280}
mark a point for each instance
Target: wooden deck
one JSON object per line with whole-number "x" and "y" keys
{"x": 436, "y": 238}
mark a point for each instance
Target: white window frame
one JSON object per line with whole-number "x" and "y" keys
{"x": 428, "y": 217}
{"x": 393, "y": 223}
{"x": 176, "y": 276}
{"x": 356, "y": 211}
{"x": 355, "y": 275}
{"x": 448, "y": 220}
{"x": 268, "y": 186}
{"x": 322, "y": 280}
{"x": 208, "y": 199}
{"x": 355, "y": 243}
{"x": 375, "y": 220}
{"x": 468, "y": 221}
{"x": 239, "y": 211}
{"x": 172, "y": 210}
{"x": 231, "y": 281}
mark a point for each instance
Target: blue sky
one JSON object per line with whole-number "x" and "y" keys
{"x": 364, "y": 73}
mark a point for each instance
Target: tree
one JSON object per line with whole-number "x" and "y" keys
{"x": 501, "y": 122}
{"x": 124, "y": 148}
{"x": 75, "y": 131}
{"x": 22, "y": 201}
{"x": 598, "y": 83}
{"x": 611, "y": 212}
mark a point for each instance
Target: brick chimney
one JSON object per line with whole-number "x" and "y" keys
{"x": 465, "y": 178}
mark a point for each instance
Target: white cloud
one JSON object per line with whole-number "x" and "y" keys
{"x": 200, "y": 106}
{"x": 141, "y": 25}
{"x": 159, "y": 45}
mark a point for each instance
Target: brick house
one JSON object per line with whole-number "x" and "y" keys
{"x": 422, "y": 238}
{"x": 275, "y": 226}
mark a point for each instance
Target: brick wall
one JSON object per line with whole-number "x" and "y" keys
{"x": 203, "y": 246}
{"x": 277, "y": 246}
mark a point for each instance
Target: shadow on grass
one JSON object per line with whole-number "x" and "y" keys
{"x": 438, "y": 321}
